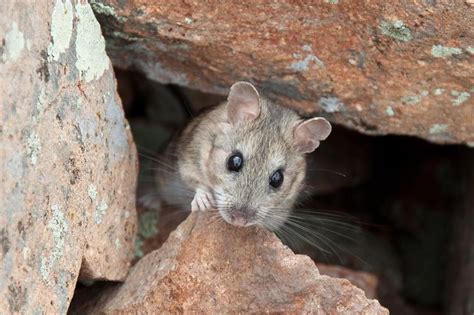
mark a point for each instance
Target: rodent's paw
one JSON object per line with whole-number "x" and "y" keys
{"x": 202, "y": 200}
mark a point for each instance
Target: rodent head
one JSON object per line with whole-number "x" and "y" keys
{"x": 257, "y": 164}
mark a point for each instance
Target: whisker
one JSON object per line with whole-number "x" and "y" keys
{"x": 328, "y": 171}
{"x": 327, "y": 231}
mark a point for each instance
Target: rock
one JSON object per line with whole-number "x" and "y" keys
{"x": 68, "y": 160}
{"x": 363, "y": 280}
{"x": 378, "y": 68}
{"x": 155, "y": 226}
{"x": 207, "y": 266}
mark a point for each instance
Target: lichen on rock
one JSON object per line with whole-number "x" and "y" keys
{"x": 397, "y": 30}
{"x": 92, "y": 60}
{"x": 61, "y": 28}
{"x": 61, "y": 216}
{"x": 365, "y": 58}
{"x": 14, "y": 43}
{"x": 440, "y": 51}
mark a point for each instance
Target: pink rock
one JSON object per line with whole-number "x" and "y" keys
{"x": 363, "y": 280}
{"x": 68, "y": 160}
{"x": 208, "y": 266}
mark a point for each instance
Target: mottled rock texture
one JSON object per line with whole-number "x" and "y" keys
{"x": 207, "y": 266}
{"x": 68, "y": 162}
{"x": 379, "y": 67}
{"x": 363, "y": 280}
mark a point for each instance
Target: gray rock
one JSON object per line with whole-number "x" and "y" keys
{"x": 68, "y": 160}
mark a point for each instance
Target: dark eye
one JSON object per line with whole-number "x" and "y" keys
{"x": 235, "y": 162}
{"x": 276, "y": 179}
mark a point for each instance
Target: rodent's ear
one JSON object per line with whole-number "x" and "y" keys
{"x": 243, "y": 102}
{"x": 308, "y": 134}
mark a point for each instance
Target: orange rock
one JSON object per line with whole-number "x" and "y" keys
{"x": 212, "y": 267}
{"x": 363, "y": 280}
{"x": 377, "y": 67}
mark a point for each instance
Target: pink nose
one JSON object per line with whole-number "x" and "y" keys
{"x": 238, "y": 219}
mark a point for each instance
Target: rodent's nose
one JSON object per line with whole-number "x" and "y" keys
{"x": 239, "y": 217}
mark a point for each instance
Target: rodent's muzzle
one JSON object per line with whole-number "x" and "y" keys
{"x": 242, "y": 216}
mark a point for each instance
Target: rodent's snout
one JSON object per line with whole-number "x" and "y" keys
{"x": 241, "y": 216}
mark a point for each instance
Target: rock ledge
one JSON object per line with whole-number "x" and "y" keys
{"x": 214, "y": 267}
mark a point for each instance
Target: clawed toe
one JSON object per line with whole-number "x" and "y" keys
{"x": 202, "y": 200}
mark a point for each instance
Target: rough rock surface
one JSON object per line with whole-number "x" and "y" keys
{"x": 68, "y": 161}
{"x": 207, "y": 266}
{"x": 379, "y": 67}
{"x": 363, "y": 280}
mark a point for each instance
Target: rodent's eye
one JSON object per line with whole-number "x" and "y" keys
{"x": 276, "y": 179}
{"x": 235, "y": 162}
